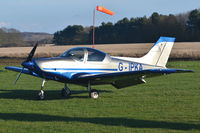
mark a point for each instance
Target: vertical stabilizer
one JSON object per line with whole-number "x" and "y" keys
{"x": 159, "y": 53}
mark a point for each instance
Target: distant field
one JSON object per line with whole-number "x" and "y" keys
{"x": 184, "y": 50}
{"x": 165, "y": 104}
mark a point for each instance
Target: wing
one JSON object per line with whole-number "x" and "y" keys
{"x": 117, "y": 79}
{"x": 19, "y": 69}
{"x": 124, "y": 79}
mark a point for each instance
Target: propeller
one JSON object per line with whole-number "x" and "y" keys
{"x": 18, "y": 76}
{"x": 29, "y": 58}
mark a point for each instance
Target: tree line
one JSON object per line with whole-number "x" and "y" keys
{"x": 185, "y": 27}
{"x": 14, "y": 38}
{"x": 10, "y": 37}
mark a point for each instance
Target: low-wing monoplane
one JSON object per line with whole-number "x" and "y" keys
{"x": 87, "y": 66}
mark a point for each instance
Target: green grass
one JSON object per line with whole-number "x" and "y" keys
{"x": 169, "y": 103}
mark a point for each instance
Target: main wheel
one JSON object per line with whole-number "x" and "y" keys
{"x": 94, "y": 94}
{"x": 65, "y": 92}
{"x": 41, "y": 95}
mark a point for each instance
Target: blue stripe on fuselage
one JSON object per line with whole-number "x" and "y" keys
{"x": 89, "y": 69}
{"x": 60, "y": 76}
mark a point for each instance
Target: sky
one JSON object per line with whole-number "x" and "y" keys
{"x": 54, "y": 15}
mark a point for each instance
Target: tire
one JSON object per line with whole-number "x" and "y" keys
{"x": 94, "y": 94}
{"x": 41, "y": 95}
{"x": 65, "y": 93}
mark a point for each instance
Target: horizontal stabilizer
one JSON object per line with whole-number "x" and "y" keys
{"x": 169, "y": 71}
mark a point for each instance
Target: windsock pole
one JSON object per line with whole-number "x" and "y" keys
{"x": 93, "y": 32}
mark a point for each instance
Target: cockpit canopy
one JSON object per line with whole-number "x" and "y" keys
{"x": 84, "y": 54}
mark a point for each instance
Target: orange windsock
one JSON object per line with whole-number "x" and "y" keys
{"x": 104, "y": 10}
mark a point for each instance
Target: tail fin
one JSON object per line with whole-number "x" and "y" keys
{"x": 159, "y": 53}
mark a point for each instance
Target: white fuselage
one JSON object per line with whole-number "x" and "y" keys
{"x": 108, "y": 65}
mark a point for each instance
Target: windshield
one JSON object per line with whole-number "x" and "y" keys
{"x": 75, "y": 54}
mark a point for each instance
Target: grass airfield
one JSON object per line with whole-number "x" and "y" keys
{"x": 169, "y": 103}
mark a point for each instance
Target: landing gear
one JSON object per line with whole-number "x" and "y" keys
{"x": 41, "y": 93}
{"x": 65, "y": 92}
{"x": 92, "y": 92}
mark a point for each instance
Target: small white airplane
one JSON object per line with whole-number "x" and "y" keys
{"x": 87, "y": 66}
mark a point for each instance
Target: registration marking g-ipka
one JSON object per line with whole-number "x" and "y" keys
{"x": 130, "y": 66}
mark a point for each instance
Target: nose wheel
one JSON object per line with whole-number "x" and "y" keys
{"x": 41, "y": 93}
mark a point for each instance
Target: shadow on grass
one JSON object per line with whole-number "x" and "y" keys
{"x": 49, "y": 94}
{"x": 132, "y": 123}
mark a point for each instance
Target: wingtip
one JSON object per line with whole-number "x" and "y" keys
{"x": 184, "y": 71}
{"x": 7, "y": 67}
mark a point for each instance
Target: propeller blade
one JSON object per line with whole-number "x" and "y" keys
{"x": 18, "y": 76}
{"x": 29, "y": 58}
{"x": 31, "y": 54}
